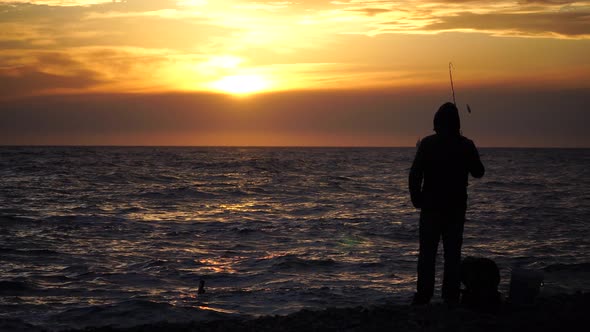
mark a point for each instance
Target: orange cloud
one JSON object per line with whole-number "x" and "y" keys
{"x": 563, "y": 24}
{"x": 165, "y": 45}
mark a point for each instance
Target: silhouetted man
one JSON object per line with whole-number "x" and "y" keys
{"x": 438, "y": 186}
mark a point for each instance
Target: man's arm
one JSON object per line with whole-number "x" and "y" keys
{"x": 475, "y": 166}
{"x": 415, "y": 179}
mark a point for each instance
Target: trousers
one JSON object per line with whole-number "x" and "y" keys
{"x": 434, "y": 224}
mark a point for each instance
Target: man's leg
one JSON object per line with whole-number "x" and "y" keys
{"x": 452, "y": 234}
{"x": 429, "y": 237}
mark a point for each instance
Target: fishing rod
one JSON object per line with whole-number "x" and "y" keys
{"x": 451, "y": 77}
{"x": 451, "y": 67}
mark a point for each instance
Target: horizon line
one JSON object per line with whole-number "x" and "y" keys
{"x": 271, "y": 146}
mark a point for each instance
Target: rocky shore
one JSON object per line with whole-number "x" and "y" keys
{"x": 555, "y": 313}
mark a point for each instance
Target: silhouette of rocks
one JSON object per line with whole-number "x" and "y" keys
{"x": 562, "y": 312}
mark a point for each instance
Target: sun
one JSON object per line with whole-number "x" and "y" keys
{"x": 241, "y": 84}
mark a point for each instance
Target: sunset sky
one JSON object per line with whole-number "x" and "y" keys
{"x": 321, "y": 73}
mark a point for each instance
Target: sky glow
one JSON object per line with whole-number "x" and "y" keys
{"x": 236, "y": 47}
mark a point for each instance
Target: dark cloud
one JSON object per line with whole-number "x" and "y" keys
{"x": 562, "y": 23}
{"x": 548, "y": 2}
{"x": 28, "y": 80}
{"x": 24, "y": 12}
{"x": 55, "y": 58}
{"x": 302, "y": 111}
{"x": 11, "y": 44}
{"x": 19, "y": 12}
{"x": 109, "y": 24}
{"x": 501, "y": 116}
{"x": 107, "y": 114}
{"x": 34, "y": 77}
{"x": 136, "y": 5}
{"x": 371, "y": 11}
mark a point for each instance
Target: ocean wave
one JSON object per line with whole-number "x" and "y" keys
{"x": 29, "y": 252}
{"x": 18, "y": 325}
{"x": 289, "y": 262}
{"x": 129, "y": 210}
{"x": 15, "y": 218}
{"x": 339, "y": 178}
{"x": 514, "y": 185}
{"x": 132, "y": 313}
{"x": 177, "y": 193}
{"x": 15, "y": 288}
{"x": 245, "y": 230}
{"x": 371, "y": 265}
{"x": 580, "y": 267}
{"x": 150, "y": 265}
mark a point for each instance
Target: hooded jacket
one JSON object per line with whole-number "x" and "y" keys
{"x": 439, "y": 174}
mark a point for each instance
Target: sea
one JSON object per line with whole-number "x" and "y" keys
{"x": 122, "y": 236}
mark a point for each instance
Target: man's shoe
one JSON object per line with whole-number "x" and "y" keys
{"x": 420, "y": 299}
{"x": 452, "y": 302}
